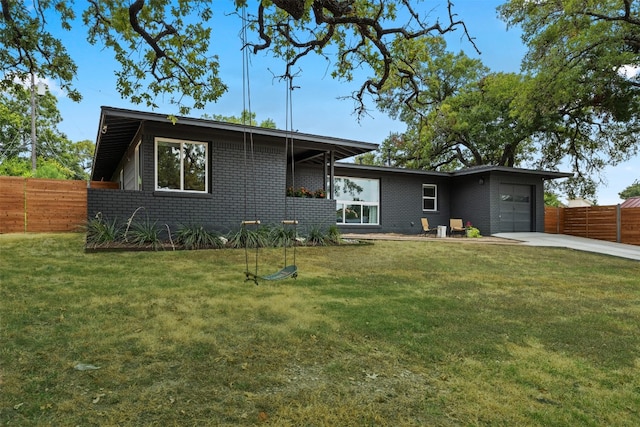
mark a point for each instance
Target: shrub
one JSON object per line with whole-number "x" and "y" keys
{"x": 246, "y": 237}
{"x": 281, "y": 236}
{"x": 473, "y": 232}
{"x": 316, "y": 237}
{"x": 197, "y": 237}
{"x": 144, "y": 233}
{"x": 102, "y": 232}
{"x": 333, "y": 235}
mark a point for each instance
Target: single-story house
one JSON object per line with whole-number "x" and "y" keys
{"x": 203, "y": 172}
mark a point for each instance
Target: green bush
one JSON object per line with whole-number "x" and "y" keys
{"x": 473, "y": 232}
{"x": 197, "y": 237}
{"x": 245, "y": 237}
{"x": 102, "y": 232}
{"x": 316, "y": 236}
{"x": 144, "y": 233}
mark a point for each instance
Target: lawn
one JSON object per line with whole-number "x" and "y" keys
{"x": 388, "y": 334}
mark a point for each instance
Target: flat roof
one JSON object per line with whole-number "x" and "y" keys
{"x": 462, "y": 172}
{"x": 118, "y": 127}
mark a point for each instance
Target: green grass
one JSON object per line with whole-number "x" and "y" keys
{"x": 394, "y": 333}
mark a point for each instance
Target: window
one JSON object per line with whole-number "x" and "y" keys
{"x": 181, "y": 165}
{"x": 357, "y": 200}
{"x": 429, "y": 197}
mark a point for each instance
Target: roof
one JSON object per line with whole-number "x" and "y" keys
{"x": 463, "y": 172}
{"x": 118, "y": 127}
{"x": 484, "y": 169}
{"x": 631, "y": 202}
{"x": 395, "y": 170}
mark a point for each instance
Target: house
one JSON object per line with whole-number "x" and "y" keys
{"x": 631, "y": 202}
{"x": 579, "y": 202}
{"x": 214, "y": 174}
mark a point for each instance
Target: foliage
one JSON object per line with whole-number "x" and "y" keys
{"x": 551, "y": 199}
{"x": 281, "y": 235}
{"x": 54, "y": 150}
{"x": 144, "y": 233}
{"x": 304, "y": 192}
{"x": 333, "y": 235}
{"x": 462, "y": 116}
{"x": 46, "y": 168}
{"x": 245, "y": 118}
{"x": 100, "y": 231}
{"x": 30, "y": 48}
{"x": 473, "y": 232}
{"x": 248, "y": 237}
{"x": 580, "y": 54}
{"x": 389, "y": 334}
{"x": 163, "y": 47}
{"x": 197, "y": 237}
{"x": 316, "y": 236}
{"x": 631, "y": 191}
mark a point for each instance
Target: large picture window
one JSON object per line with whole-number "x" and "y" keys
{"x": 429, "y": 197}
{"x": 357, "y": 200}
{"x": 181, "y": 165}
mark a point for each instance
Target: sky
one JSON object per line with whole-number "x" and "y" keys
{"x": 317, "y": 107}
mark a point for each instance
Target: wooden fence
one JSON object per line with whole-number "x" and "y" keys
{"x": 41, "y": 205}
{"x": 610, "y": 223}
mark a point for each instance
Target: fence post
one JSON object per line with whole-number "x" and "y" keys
{"x": 618, "y": 224}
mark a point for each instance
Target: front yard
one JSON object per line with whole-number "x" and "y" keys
{"x": 393, "y": 333}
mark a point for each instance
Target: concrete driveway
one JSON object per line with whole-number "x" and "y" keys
{"x": 577, "y": 243}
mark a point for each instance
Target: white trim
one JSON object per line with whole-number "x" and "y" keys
{"x": 434, "y": 198}
{"x": 342, "y": 203}
{"x": 181, "y": 142}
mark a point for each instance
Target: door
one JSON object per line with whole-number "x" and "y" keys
{"x": 515, "y": 208}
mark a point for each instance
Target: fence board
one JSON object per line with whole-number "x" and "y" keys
{"x": 596, "y": 222}
{"x": 12, "y": 199}
{"x": 56, "y": 205}
{"x": 104, "y": 184}
{"x": 551, "y": 220}
{"x": 630, "y": 226}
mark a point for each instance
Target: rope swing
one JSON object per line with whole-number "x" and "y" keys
{"x": 289, "y": 270}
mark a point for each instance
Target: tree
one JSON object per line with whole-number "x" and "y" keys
{"x": 163, "y": 45}
{"x": 245, "y": 118}
{"x": 458, "y": 114}
{"x": 54, "y": 149}
{"x": 577, "y": 51}
{"x": 552, "y": 199}
{"x": 631, "y": 191}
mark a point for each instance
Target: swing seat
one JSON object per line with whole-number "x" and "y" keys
{"x": 288, "y": 271}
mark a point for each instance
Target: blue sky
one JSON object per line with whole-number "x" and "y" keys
{"x": 317, "y": 107}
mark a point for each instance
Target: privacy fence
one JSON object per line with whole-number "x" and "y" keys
{"x": 610, "y": 223}
{"x": 42, "y": 205}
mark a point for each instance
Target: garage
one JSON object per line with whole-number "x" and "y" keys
{"x": 516, "y": 208}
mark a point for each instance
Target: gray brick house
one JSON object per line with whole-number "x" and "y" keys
{"x": 215, "y": 174}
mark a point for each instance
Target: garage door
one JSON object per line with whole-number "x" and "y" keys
{"x": 515, "y": 208}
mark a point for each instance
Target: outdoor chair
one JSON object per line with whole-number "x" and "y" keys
{"x": 456, "y": 227}
{"x": 425, "y": 227}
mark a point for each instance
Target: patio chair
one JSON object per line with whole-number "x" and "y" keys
{"x": 425, "y": 227}
{"x": 456, "y": 227}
